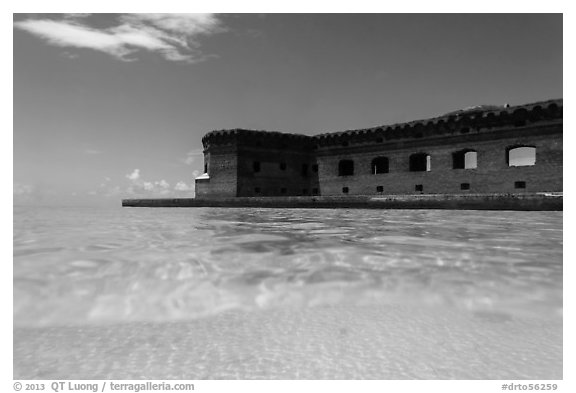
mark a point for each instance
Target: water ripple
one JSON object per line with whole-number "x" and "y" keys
{"x": 88, "y": 265}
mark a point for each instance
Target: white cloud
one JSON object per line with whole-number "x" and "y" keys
{"x": 156, "y": 186}
{"x": 22, "y": 189}
{"x": 62, "y": 33}
{"x": 174, "y": 36}
{"x": 30, "y": 194}
{"x": 139, "y": 187}
{"x": 186, "y": 24}
{"x": 181, "y": 186}
{"x": 135, "y": 175}
{"x": 192, "y": 156}
{"x": 76, "y": 16}
{"x": 163, "y": 184}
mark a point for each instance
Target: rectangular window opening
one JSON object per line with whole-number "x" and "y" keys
{"x": 256, "y": 166}
{"x": 520, "y": 184}
{"x": 380, "y": 189}
{"x": 257, "y": 190}
{"x": 464, "y": 186}
{"x": 419, "y": 188}
{"x": 345, "y": 190}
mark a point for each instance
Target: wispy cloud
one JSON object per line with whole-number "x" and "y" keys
{"x": 174, "y": 36}
{"x": 92, "y": 152}
{"x": 192, "y": 156}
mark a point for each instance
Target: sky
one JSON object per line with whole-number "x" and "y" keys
{"x": 111, "y": 106}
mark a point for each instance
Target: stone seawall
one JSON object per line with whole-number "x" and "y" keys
{"x": 524, "y": 201}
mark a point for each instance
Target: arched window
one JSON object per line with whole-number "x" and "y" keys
{"x": 464, "y": 159}
{"x": 420, "y": 162}
{"x": 521, "y": 156}
{"x": 379, "y": 165}
{"x": 345, "y": 168}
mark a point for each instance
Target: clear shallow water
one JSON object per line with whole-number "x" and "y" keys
{"x": 79, "y": 266}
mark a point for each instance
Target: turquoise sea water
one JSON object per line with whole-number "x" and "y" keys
{"x": 96, "y": 266}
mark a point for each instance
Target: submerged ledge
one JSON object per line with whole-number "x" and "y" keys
{"x": 523, "y": 201}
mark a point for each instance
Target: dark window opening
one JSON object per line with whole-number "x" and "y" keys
{"x": 420, "y": 162}
{"x": 257, "y": 190}
{"x": 206, "y": 168}
{"x": 419, "y": 187}
{"x": 464, "y": 186}
{"x": 521, "y": 156}
{"x": 282, "y": 166}
{"x": 344, "y": 144}
{"x": 304, "y": 170}
{"x": 315, "y": 191}
{"x": 379, "y": 165}
{"x": 464, "y": 159}
{"x": 283, "y": 191}
{"x": 256, "y": 166}
{"x": 346, "y": 168}
{"x": 379, "y": 189}
{"x": 304, "y": 191}
{"x": 465, "y": 130}
{"x": 345, "y": 190}
{"x": 379, "y": 140}
{"x": 315, "y": 168}
{"x": 520, "y": 184}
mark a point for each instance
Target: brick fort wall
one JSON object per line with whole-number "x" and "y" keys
{"x": 260, "y": 163}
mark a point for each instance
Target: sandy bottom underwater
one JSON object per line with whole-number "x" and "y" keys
{"x": 329, "y": 342}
